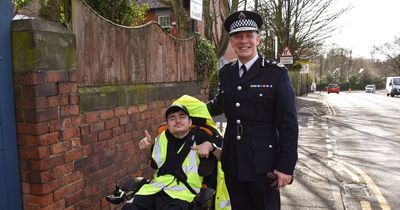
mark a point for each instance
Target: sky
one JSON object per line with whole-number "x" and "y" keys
{"x": 368, "y": 23}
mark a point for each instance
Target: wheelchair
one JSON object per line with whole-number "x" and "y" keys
{"x": 122, "y": 193}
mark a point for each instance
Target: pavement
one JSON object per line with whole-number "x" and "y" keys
{"x": 315, "y": 186}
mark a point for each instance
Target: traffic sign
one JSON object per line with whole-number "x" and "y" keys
{"x": 286, "y": 60}
{"x": 286, "y": 52}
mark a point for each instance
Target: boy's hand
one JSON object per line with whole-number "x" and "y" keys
{"x": 147, "y": 141}
{"x": 203, "y": 149}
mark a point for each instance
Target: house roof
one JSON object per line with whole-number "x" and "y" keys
{"x": 154, "y": 4}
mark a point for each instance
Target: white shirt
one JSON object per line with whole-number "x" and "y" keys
{"x": 250, "y": 63}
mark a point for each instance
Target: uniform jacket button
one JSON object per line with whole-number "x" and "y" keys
{"x": 238, "y": 137}
{"x": 270, "y": 146}
{"x": 237, "y": 104}
{"x": 238, "y": 121}
{"x": 239, "y": 87}
{"x": 260, "y": 94}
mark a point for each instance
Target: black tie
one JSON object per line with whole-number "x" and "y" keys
{"x": 242, "y": 70}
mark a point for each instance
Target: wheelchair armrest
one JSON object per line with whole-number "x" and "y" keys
{"x": 126, "y": 191}
{"x": 204, "y": 197}
{"x": 134, "y": 184}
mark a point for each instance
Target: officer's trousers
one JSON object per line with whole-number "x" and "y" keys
{"x": 257, "y": 195}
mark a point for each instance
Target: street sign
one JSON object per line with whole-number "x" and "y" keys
{"x": 286, "y": 60}
{"x": 286, "y": 56}
{"x": 286, "y": 52}
{"x": 196, "y": 9}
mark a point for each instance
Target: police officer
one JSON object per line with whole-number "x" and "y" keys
{"x": 259, "y": 153}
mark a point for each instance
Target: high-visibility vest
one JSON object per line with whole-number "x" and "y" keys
{"x": 222, "y": 200}
{"x": 168, "y": 183}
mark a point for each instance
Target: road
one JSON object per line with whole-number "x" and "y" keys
{"x": 365, "y": 148}
{"x": 349, "y": 153}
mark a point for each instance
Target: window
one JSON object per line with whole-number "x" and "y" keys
{"x": 164, "y": 22}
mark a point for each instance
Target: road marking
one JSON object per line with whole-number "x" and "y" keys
{"x": 354, "y": 177}
{"x": 371, "y": 185}
{"x": 365, "y": 205}
{"x": 330, "y": 108}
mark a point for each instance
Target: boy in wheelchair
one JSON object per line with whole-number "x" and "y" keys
{"x": 185, "y": 158}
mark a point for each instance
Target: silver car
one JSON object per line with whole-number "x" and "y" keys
{"x": 370, "y": 89}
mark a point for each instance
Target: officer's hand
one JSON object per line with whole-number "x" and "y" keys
{"x": 283, "y": 179}
{"x": 203, "y": 149}
{"x": 146, "y": 141}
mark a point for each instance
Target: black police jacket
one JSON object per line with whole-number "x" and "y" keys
{"x": 262, "y": 126}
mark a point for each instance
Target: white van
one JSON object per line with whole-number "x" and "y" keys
{"x": 393, "y": 86}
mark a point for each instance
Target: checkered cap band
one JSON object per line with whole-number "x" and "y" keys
{"x": 243, "y": 23}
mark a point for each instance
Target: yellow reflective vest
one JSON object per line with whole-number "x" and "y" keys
{"x": 168, "y": 183}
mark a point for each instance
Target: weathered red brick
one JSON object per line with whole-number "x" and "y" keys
{"x": 60, "y": 147}
{"x": 72, "y": 75}
{"x": 55, "y": 125}
{"x": 88, "y": 139}
{"x": 34, "y": 152}
{"x": 37, "y": 177}
{"x": 67, "y": 87}
{"x": 118, "y": 131}
{"x": 39, "y": 90}
{"x": 45, "y": 188}
{"x": 73, "y": 98}
{"x": 31, "y": 78}
{"x": 63, "y": 192}
{"x": 76, "y": 142}
{"x": 72, "y": 177}
{"x": 42, "y": 140}
{"x": 104, "y": 134}
{"x": 74, "y": 198}
{"x": 97, "y": 127}
{"x": 111, "y": 123}
{"x": 92, "y": 117}
{"x": 70, "y": 133}
{"x": 73, "y": 155}
{"x": 132, "y": 109}
{"x": 106, "y": 114}
{"x": 124, "y": 120}
{"x": 61, "y": 171}
{"x": 41, "y": 115}
{"x": 33, "y": 128}
{"x": 67, "y": 111}
{"x": 31, "y": 103}
{"x": 59, "y": 100}
{"x": 143, "y": 107}
{"x": 39, "y": 200}
{"x": 44, "y": 164}
{"x": 57, "y": 76}
{"x": 120, "y": 112}
{"x": 85, "y": 129}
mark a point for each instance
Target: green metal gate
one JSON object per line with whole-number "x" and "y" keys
{"x": 10, "y": 192}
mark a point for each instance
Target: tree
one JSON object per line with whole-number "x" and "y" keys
{"x": 391, "y": 51}
{"x": 302, "y": 25}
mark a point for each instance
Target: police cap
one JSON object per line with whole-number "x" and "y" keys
{"x": 243, "y": 21}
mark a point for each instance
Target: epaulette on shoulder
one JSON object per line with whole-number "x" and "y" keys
{"x": 231, "y": 62}
{"x": 276, "y": 63}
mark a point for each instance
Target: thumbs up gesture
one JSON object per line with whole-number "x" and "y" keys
{"x": 146, "y": 142}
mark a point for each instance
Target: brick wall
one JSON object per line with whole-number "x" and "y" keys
{"x": 70, "y": 156}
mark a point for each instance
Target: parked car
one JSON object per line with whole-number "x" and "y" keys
{"x": 370, "y": 89}
{"x": 333, "y": 88}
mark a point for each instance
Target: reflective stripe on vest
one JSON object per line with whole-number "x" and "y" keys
{"x": 222, "y": 200}
{"x": 167, "y": 182}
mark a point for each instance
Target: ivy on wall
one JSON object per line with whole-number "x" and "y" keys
{"x": 205, "y": 59}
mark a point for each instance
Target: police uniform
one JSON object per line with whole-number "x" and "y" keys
{"x": 262, "y": 127}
